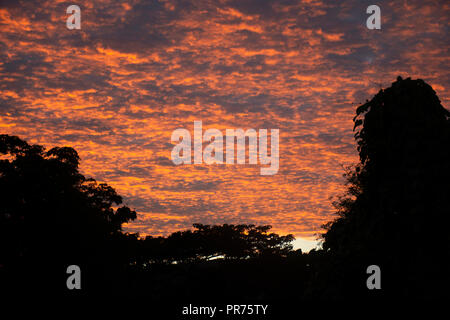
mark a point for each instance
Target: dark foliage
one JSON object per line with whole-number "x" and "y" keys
{"x": 51, "y": 216}
{"x": 396, "y": 211}
{"x": 395, "y": 214}
{"x": 206, "y": 243}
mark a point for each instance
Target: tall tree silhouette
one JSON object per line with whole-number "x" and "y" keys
{"x": 396, "y": 212}
{"x": 51, "y": 217}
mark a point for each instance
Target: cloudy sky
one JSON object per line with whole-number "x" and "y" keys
{"x": 116, "y": 89}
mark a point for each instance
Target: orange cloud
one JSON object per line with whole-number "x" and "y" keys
{"x": 116, "y": 89}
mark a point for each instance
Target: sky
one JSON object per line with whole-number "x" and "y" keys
{"x": 117, "y": 88}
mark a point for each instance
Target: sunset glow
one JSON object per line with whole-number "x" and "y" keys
{"x": 116, "y": 89}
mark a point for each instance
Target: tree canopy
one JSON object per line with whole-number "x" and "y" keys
{"x": 396, "y": 211}
{"x": 51, "y": 215}
{"x": 394, "y": 214}
{"x": 207, "y": 242}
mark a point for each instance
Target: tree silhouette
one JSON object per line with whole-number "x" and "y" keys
{"x": 208, "y": 242}
{"x": 51, "y": 217}
{"x": 396, "y": 212}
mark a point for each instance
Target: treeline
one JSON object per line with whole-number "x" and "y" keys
{"x": 52, "y": 217}
{"x": 395, "y": 215}
{"x": 206, "y": 243}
